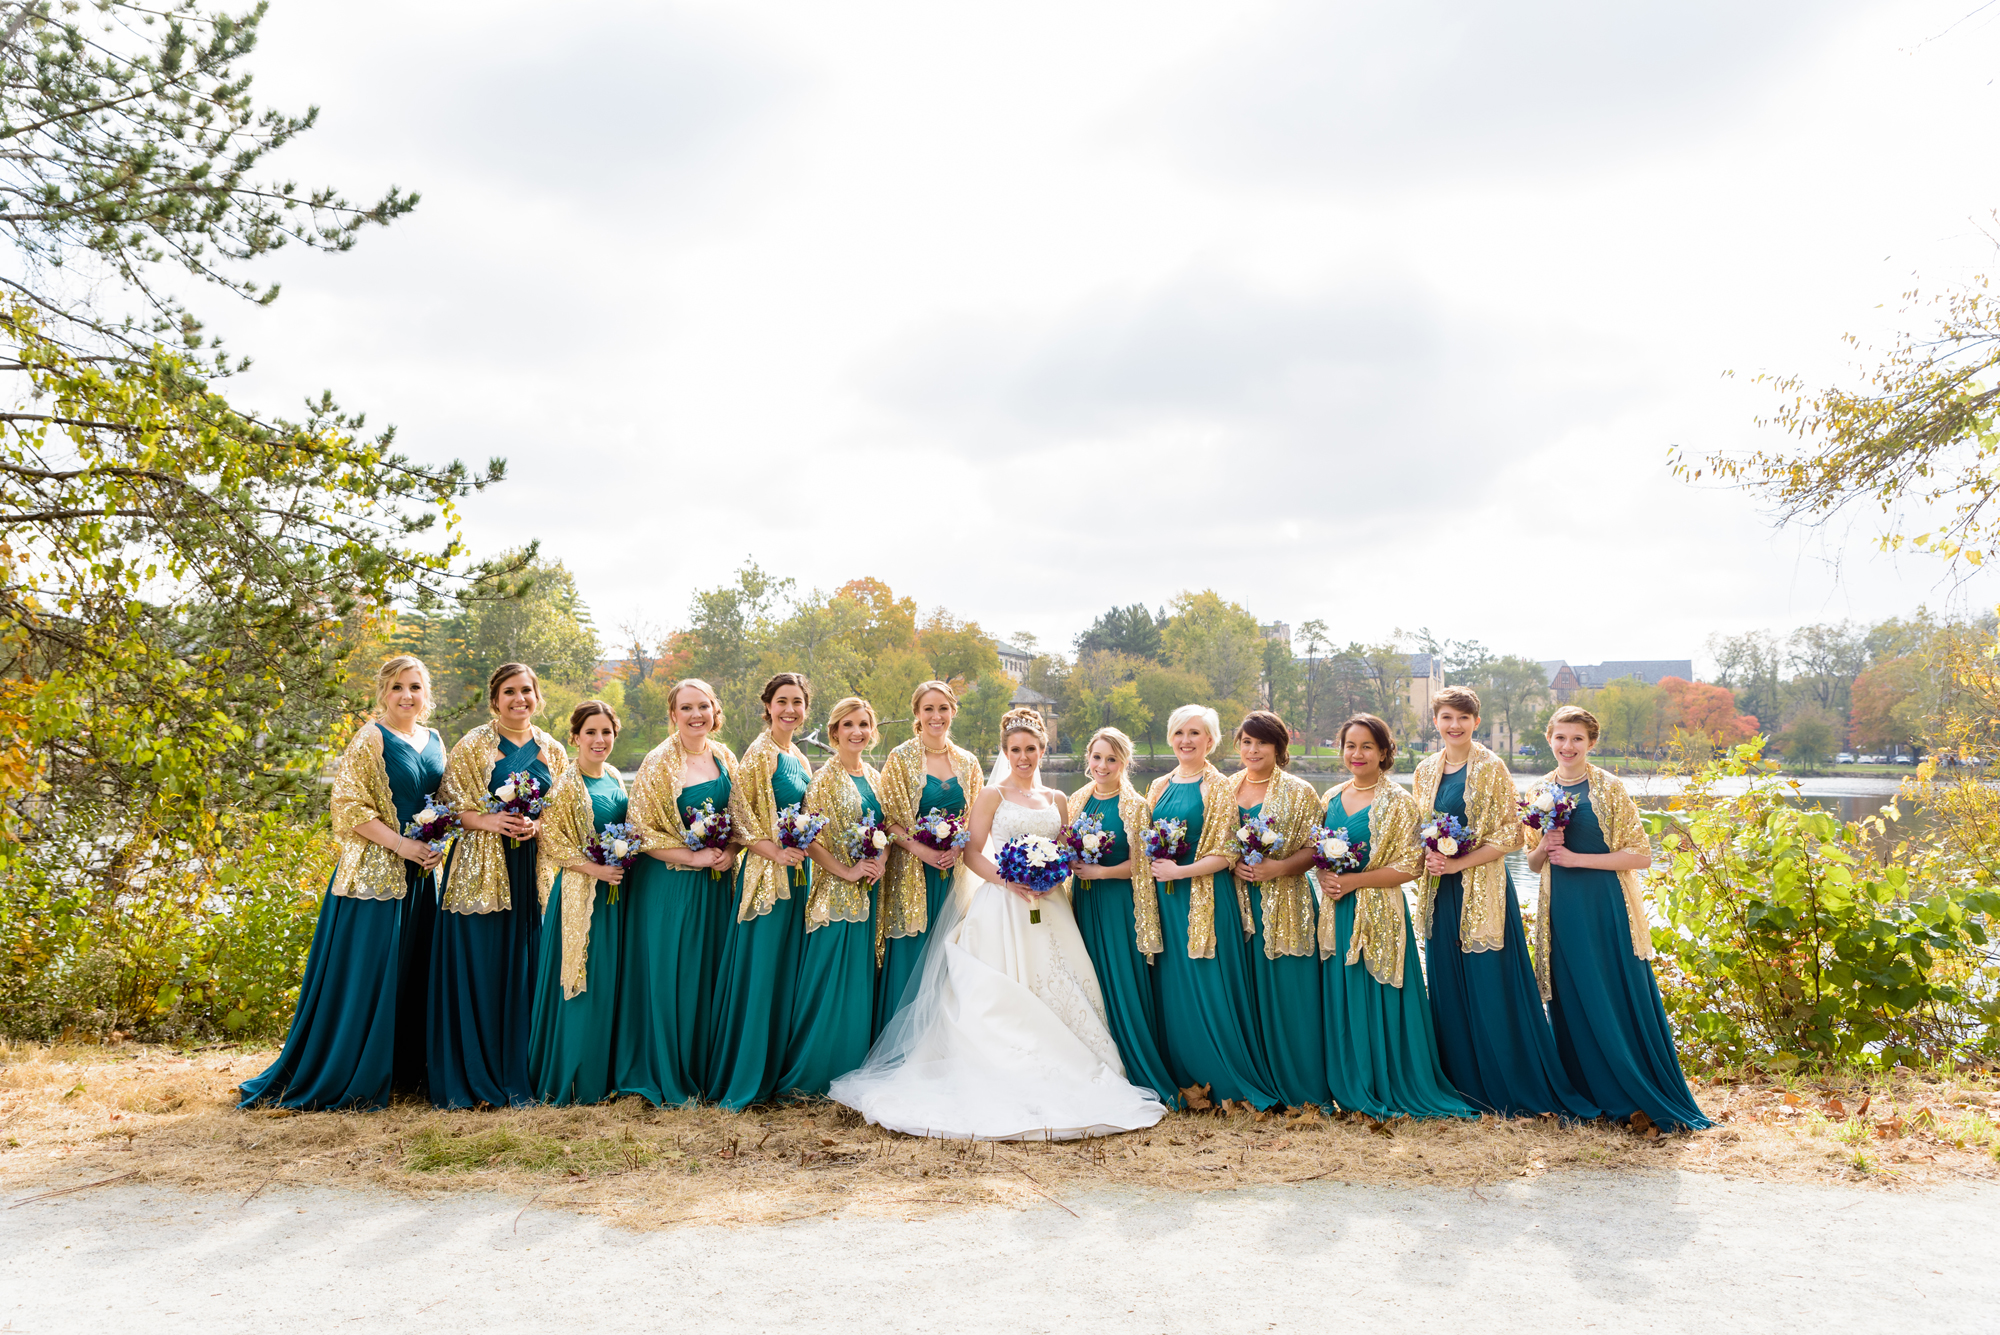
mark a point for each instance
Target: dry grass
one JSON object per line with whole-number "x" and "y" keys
{"x": 77, "y": 1116}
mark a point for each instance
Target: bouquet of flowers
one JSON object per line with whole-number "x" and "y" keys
{"x": 1164, "y": 841}
{"x": 1256, "y": 839}
{"x": 1037, "y": 864}
{"x": 707, "y": 828}
{"x": 1548, "y": 806}
{"x": 867, "y": 839}
{"x": 520, "y": 795}
{"x": 1333, "y": 851}
{"x": 797, "y": 828}
{"x": 434, "y": 827}
{"x": 1446, "y": 835}
{"x": 616, "y": 845}
{"x": 1086, "y": 840}
{"x": 940, "y": 830}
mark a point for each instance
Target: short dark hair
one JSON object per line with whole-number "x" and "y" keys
{"x": 1462, "y": 698}
{"x": 589, "y": 710}
{"x": 1384, "y": 742}
{"x": 770, "y": 690}
{"x": 1264, "y": 726}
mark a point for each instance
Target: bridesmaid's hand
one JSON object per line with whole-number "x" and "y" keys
{"x": 422, "y": 854}
{"x": 609, "y": 875}
{"x": 944, "y": 859}
{"x": 1331, "y": 888}
{"x": 1255, "y": 873}
{"x": 1164, "y": 871}
{"x": 1553, "y": 839}
{"x": 719, "y": 859}
{"x": 1563, "y": 857}
{"x": 868, "y": 870}
{"x": 1437, "y": 864}
{"x": 1085, "y": 871}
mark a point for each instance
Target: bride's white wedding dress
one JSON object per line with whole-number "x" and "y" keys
{"x": 1004, "y": 1036}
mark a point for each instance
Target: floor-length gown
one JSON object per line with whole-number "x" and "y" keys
{"x": 1291, "y": 1020}
{"x": 482, "y": 985}
{"x": 1004, "y": 1037}
{"x": 671, "y": 947}
{"x": 1129, "y": 984}
{"x": 759, "y": 973}
{"x": 1493, "y": 1037}
{"x": 570, "y": 1038}
{"x": 1208, "y": 1007}
{"x": 357, "y": 1032}
{"x": 1604, "y": 1003}
{"x": 833, "y": 1016}
{"x": 901, "y": 954}
{"x": 1381, "y": 1046}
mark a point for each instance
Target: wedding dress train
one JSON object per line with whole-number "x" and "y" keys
{"x": 1003, "y": 1036}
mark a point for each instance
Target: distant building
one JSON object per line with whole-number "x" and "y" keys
{"x": 1566, "y": 680}
{"x": 1014, "y": 662}
{"x": 1279, "y": 631}
{"x": 1426, "y": 679}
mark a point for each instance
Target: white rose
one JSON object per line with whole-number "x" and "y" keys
{"x": 619, "y": 848}
{"x": 1545, "y": 801}
{"x": 505, "y": 792}
{"x": 1448, "y": 847}
{"x": 1243, "y": 832}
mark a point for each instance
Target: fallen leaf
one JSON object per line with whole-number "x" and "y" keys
{"x": 1195, "y": 1097}
{"x": 1862, "y": 1111}
{"x": 1836, "y": 1108}
{"x": 1281, "y": 1144}
{"x": 826, "y": 1140}
{"x": 1643, "y": 1125}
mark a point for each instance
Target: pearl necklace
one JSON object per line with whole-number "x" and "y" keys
{"x": 1354, "y": 787}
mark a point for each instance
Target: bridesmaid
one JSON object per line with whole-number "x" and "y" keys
{"x": 1284, "y": 959}
{"x": 1118, "y": 912}
{"x": 834, "y": 1013}
{"x": 928, "y": 772}
{"x": 760, "y": 958}
{"x": 677, "y": 906}
{"x": 358, "y": 1030}
{"x": 1493, "y": 1039}
{"x": 1596, "y": 953}
{"x": 1208, "y": 1000}
{"x": 483, "y": 955}
{"x": 1381, "y": 1049}
{"x": 569, "y": 1040}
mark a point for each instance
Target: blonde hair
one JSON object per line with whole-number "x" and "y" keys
{"x": 1120, "y": 744}
{"x": 1023, "y": 719}
{"x": 1209, "y": 719}
{"x": 674, "y": 695}
{"x": 394, "y": 667}
{"x": 924, "y": 688}
{"x": 853, "y": 704}
{"x": 1573, "y": 714}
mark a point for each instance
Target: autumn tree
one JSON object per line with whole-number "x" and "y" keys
{"x": 1708, "y": 712}
{"x": 1220, "y": 643}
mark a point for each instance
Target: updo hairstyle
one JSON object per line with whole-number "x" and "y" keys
{"x": 1377, "y": 729}
{"x": 589, "y": 710}
{"x": 1023, "y": 719}
{"x": 695, "y": 683}
{"x": 770, "y": 691}
{"x": 505, "y": 673}
{"x": 853, "y": 704}
{"x": 924, "y": 688}
{"x": 395, "y": 667}
{"x": 1120, "y": 744}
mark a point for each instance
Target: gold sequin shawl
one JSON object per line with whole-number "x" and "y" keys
{"x": 1218, "y": 828}
{"x": 568, "y": 821}
{"x": 1379, "y": 933}
{"x": 656, "y": 792}
{"x": 1492, "y": 809}
{"x": 1294, "y": 808}
{"x": 753, "y": 813}
{"x": 478, "y": 879}
{"x": 361, "y": 793}
{"x": 1618, "y": 816}
{"x": 903, "y": 910}
{"x": 833, "y": 795}
{"x": 1138, "y": 817}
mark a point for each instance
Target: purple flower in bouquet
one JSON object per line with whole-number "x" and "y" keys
{"x": 1087, "y": 841}
{"x": 869, "y": 838}
{"x": 1446, "y": 835}
{"x": 616, "y": 845}
{"x": 707, "y": 828}
{"x": 941, "y": 831}
{"x": 1548, "y": 806}
{"x": 797, "y": 827}
{"x": 1256, "y": 839}
{"x": 520, "y": 794}
{"x": 1334, "y": 851}
{"x": 434, "y": 827}
{"x": 1035, "y": 864}
{"x": 1164, "y": 841}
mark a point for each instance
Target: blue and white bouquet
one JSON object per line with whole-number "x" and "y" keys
{"x": 434, "y": 827}
{"x": 520, "y": 794}
{"x": 616, "y": 845}
{"x": 1257, "y": 838}
{"x": 939, "y": 830}
{"x": 1035, "y": 864}
{"x": 1548, "y": 806}
{"x": 707, "y": 828}
{"x": 1165, "y": 841}
{"x": 1087, "y": 841}
{"x": 797, "y": 827}
{"x": 1333, "y": 851}
{"x": 867, "y": 839}
{"x": 1446, "y": 835}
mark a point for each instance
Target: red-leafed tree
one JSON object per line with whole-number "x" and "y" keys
{"x": 1709, "y": 711}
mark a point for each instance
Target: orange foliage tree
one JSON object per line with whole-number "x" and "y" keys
{"x": 1709, "y": 711}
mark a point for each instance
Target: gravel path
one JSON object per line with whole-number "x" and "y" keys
{"x": 1667, "y": 1252}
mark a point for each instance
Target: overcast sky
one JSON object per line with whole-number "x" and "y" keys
{"x": 1029, "y": 309}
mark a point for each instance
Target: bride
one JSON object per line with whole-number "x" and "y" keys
{"x": 1002, "y": 1034}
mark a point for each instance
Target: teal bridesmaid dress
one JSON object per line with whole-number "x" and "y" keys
{"x": 358, "y": 1031}
{"x": 1493, "y": 1039}
{"x": 1208, "y": 1008}
{"x": 1604, "y": 1003}
{"x": 1381, "y": 1049}
{"x": 669, "y": 951}
{"x": 1291, "y": 1012}
{"x": 482, "y": 985}
{"x": 759, "y": 976}
{"x": 901, "y": 955}
{"x": 834, "y": 1008}
{"x": 1130, "y": 986}
{"x": 569, "y": 1039}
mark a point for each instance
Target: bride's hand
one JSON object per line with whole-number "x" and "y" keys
{"x": 1027, "y": 896}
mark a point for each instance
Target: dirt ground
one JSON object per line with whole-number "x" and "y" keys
{"x": 80, "y": 1118}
